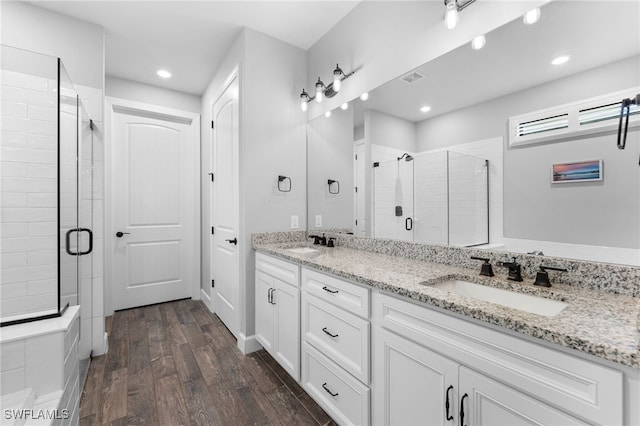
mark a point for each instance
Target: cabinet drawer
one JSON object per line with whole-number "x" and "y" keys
{"x": 284, "y": 271}
{"x": 341, "y": 336}
{"x": 340, "y": 293}
{"x": 343, "y": 397}
{"x": 568, "y": 382}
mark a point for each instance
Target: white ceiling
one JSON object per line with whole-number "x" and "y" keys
{"x": 190, "y": 38}
{"x": 515, "y": 57}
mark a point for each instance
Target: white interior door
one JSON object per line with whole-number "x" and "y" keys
{"x": 153, "y": 182}
{"x": 225, "y": 270}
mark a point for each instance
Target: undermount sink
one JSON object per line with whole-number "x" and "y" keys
{"x": 524, "y": 302}
{"x": 302, "y": 250}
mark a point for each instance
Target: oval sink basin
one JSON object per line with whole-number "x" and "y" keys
{"x": 302, "y": 250}
{"x": 524, "y": 302}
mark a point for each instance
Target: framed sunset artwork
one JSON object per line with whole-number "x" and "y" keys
{"x": 583, "y": 171}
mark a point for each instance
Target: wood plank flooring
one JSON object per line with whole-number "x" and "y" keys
{"x": 176, "y": 364}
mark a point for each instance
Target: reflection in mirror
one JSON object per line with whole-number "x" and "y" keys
{"x": 459, "y": 106}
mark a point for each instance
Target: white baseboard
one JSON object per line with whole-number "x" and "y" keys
{"x": 249, "y": 344}
{"x": 206, "y": 298}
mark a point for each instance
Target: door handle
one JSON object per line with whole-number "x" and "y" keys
{"x": 82, "y": 253}
{"x": 324, "y": 386}
{"x": 447, "y": 405}
{"x": 119, "y": 234}
{"x": 408, "y": 224}
{"x": 67, "y": 241}
{"x": 462, "y": 409}
{"x": 234, "y": 241}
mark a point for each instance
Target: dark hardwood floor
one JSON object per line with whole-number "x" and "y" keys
{"x": 176, "y": 364}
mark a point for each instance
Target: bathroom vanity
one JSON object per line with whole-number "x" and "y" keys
{"x": 380, "y": 343}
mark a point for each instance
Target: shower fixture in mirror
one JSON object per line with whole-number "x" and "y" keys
{"x": 505, "y": 193}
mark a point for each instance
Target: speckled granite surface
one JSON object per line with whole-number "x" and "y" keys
{"x": 598, "y": 323}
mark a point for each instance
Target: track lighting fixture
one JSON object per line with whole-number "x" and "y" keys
{"x": 452, "y": 14}
{"x": 323, "y": 91}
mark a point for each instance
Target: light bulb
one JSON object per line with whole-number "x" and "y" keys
{"x": 561, "y": 60}
{"x": 344, "y": 106}
{"x": 336, "y": 84}
{"x": 319, "y": 90}
{"x": 304, "y": 99}
{"x": 364, "y": 96}
{"x": 532, "y": 16}
{"x": 451, "y": 17}
{"x": 327, "y": 114}
{"x": 478, "y": 42}
{"x": 337, "y": 78}
{"x": 303, "y": 105}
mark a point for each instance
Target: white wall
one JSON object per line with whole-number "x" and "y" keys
{"x": 593, "y": 214}
{"x": 134, "y": 91}
{"x": 394, "y": 132}
{"x": 272, "y": 143}
{"x": 371, "y": 40}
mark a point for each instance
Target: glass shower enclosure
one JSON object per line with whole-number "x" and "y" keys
{"x": 46, "y": 186}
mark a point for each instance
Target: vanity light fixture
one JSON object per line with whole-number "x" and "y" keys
{"x": 532, "y": 16}
{"x": 323, "y": 91}
{"x": 364, "y": 96}
{"x": 452, "y": 15}
{"x": 425, "y": 108}
{"x": 164, "y": 73}
{"x": 561, "y": 60}
{"x": 478, "y": 42}
{"x": 344, "y": 106}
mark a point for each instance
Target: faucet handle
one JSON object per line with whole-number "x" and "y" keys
{"x": 486, "y": 269}
{"x": 542, "y": 276}
{"x": 316, "y": 239}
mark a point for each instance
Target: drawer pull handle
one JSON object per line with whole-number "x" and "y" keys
{"x": 447, "y": 405}
{"x": 328, "y": 290}
{"x": 329, "y": 333}
{"x": 324, "y": 386}
{"x": 462, "y": 409}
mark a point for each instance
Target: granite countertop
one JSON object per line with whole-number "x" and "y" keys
{"x": 597, "y": 323}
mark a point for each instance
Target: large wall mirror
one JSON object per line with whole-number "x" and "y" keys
{"x": 428, "y": 156}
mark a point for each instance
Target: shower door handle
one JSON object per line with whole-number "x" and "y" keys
{"x": 408, "y": 224}
{"x": 67, "y": 242}
{"x": 82, "y": 253}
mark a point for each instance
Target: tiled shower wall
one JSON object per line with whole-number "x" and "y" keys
{"x": 29, "y": 195}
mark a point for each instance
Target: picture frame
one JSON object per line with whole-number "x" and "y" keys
{"x": 577, "y": 172}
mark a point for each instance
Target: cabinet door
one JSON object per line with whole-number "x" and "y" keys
{"x": 287, "y": 327}
{"x": 412, "y": 384}
{"x": 487, "y": 402}
{"x": 264, "y": 311}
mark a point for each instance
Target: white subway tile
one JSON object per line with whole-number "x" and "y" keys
{"x": 13, "y": 230}
{"x": 24, "y": 81}
{"x": 12, "y": 260}
{"x": 38, "y": 258}
{"x": 48, "y": 142}
{"x": 10, "y": 290}
{"x": 14, "y": 109}
{"x": 13, "y": 139}
{"x": 12, "y": 380}
{"x": 44, "y": 373}
{"x": 14, "y": 199}
{"x": 28, "y": 215}
{"x": 29, "y": 273}
{"x": 13, "y": 169}
{"x": 42, "y": 171}
{"x": 42, "y": 229}
{"x": 32, "y": 97}
{"x": 42, "y": 200}
{"x": 34, "y": 127}
{"x": 98, "y": 297}
{"x": 13, "y": 355}
{"x": 25, "y": 155}
{"x": 29, "y": 304}
{"x": 17, "y": 245}
{"x": 49, "y": 286}
{"x": 29, "y": 185}
{"x": 45, "y": 113}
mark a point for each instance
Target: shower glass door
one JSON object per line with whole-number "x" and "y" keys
{"x": 393, "y": 200}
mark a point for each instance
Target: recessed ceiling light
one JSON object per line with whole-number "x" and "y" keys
{"x": 425, "y": 108}
{"x": 344, "y": 106}
{"x": 164, "y": 74}
{"x": 327, "y": 114}
{"x": 478, "y": 42}
{"x": 532, "y": 16}
{"x": 561, "y": 60}
{"x": 364, "y": 96}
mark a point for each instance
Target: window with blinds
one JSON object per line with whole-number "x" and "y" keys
{"x": 587, "y": 117}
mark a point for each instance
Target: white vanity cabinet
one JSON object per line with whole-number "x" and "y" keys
{"x": 336, "y": 346}
{"x": 422, "y": 358}
{"x": 278, "y": 311}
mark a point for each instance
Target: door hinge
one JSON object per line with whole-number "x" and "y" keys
{"x": 212, "y": 177}
{"x": 356, "y": 189}
{"x": 213, "y": 230}
{"x": 213, "y": 283}
{"x": 212, "y": 125}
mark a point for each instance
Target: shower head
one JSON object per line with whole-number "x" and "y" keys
{"x": 406, "y": 156}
